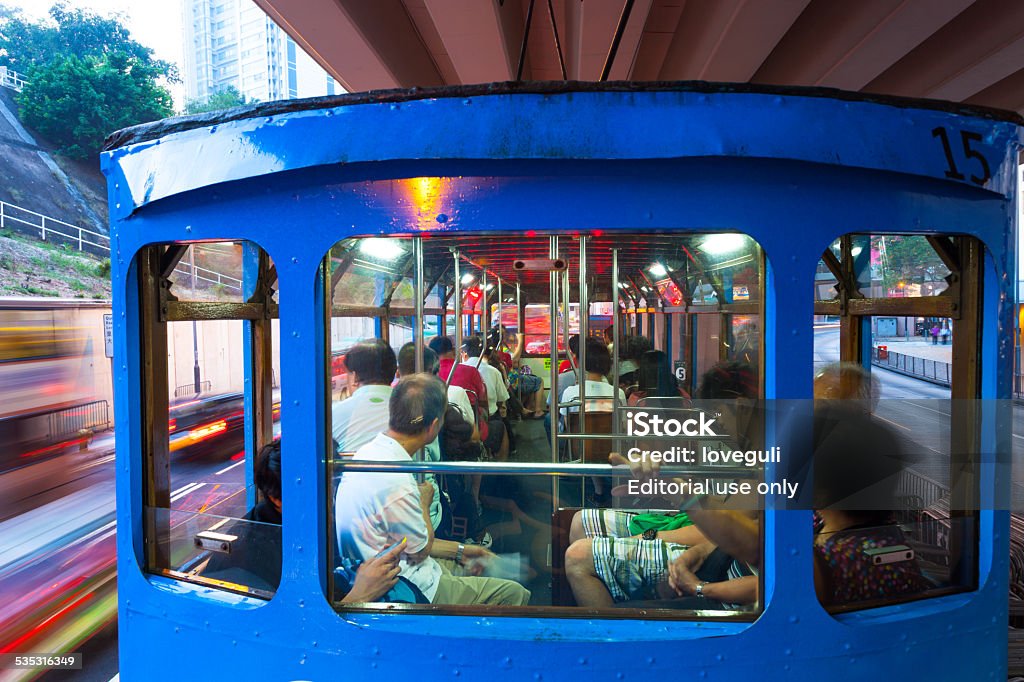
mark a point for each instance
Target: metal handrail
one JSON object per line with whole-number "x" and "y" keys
{"x": 535, "y": 468}
{"x": 46, "y": 224}
{"x": 624, "y": 436}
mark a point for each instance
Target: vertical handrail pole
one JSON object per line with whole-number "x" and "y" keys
{"x": 501, "y": 306}
{"x": 582, "y": 288}
{"x": 484, "y": 313}
{"x": 417, "y": 247}
{"x": 615, "y": 348}
{"x": 553, "y": 302}
{"x": 458, "y": 313}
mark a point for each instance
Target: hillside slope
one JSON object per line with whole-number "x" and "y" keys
{"x": 27, "y": 181}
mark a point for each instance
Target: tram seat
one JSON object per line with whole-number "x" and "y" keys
{"x": 593, "y": 451}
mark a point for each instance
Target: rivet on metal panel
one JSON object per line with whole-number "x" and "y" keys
{"x": 442, "y": 218}
{"x": 467, "y": 101}
{"x": 794, "y": 619}
{"x": 295, "y": 334}
{"x": 188, "y": 228}
{"x": 295, "y": 402}
{"x": 793, "y": 551}
{"x": 583, "y": 660}
{"x": 302, "y": 603}
{"x": 788, "y": 652}
{"x": 295, "y": 261}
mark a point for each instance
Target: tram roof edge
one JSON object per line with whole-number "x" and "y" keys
{"x": 150, "y": 131}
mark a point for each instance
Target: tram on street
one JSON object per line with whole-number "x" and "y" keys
{"x": 627, "y": 271}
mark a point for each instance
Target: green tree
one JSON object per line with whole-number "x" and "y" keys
{"x": 75, "y": 102}
{"x": 87, "y": 77}
{"x": 223, "y": 99}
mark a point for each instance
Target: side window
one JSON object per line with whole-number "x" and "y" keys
{"x": 212, "y": 462}
{"x": 896, "y": 514}
{"x": 480, "y": 383}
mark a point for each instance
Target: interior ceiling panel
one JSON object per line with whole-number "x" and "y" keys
{"x": 961, "y": 50}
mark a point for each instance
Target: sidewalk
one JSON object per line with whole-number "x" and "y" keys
{"x": 916, "y": 347}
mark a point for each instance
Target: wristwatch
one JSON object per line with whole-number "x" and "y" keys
{"x": 650, "y": 534}
{"x": 459, "y": 552}
{"x": 699, "y": 591}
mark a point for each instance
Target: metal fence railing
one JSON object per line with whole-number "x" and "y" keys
{"x": 935, "y": 371}
{"x": 84, "y": 239}
{"x": 190, "y": 389}
{"x": 51, "y": 229}
{"x": 94, "y": 416}
{"x": 210, "y": 276}
{"x": 12, "y": 79}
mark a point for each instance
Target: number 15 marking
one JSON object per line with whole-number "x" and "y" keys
{"x": 966, "y": 137}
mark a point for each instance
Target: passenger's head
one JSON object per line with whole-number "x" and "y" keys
{"x": 417, "y": 406}
{"x": 633, "y": 347}
{"x": 574, "y": 345}
{"x": 267, "y": 472}
{"x": 730, "y": 389}
{"x": 372, "y": 362}
{"x": 443, "y": 346}
{"x": 407, "y": 360}
{"x": 728, "y": 380}
{"x": 599, "y": 360}
{"x": 656, "y": 378}
{"x": 848, "y": 382}
{"x": 609, "y": 334}
{"x": 857, "y": 465}
{"x": 472, "y": 346}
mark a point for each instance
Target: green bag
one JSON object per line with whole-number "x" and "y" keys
{"x": 641, "y": 522}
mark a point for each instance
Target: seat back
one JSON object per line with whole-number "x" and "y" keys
{"x": 593, "y": 451}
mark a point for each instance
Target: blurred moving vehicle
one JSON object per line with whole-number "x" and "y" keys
{"x": 210, "y": 426}
{"x": 48, "y": 398}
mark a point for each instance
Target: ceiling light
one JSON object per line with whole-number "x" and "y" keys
{"x": 721, "y": 244}
{"x": 468, "y": 278}
{"x": 381, "y": 249}
{"x": 658, "y": 270}
{"x": 855, "y": 251}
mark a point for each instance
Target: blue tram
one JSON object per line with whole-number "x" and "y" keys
{"x": 646, "y": 235}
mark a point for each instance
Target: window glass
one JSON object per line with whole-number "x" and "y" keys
{"x": 903, "y": 541}
{"x": 560, "y": 537}
{"x": 207, "y": 521}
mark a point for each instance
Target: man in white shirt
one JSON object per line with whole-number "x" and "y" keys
{"x": 357, "y": 419}
{"x": 373, "y": 511}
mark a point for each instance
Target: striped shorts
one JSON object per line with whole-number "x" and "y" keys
{"x": 631, "y": 567}
{"x": 606, "y": 522}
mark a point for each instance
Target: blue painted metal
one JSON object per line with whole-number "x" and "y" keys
{"x": 792, "y": 172}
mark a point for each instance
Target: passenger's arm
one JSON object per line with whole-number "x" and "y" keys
{"x": 518, "y": 352}
{"x": 375, "y": 577}
{"x": 737, "y": 534}
{"x": 738, "y": 591}
{"x": 407, "y": 516}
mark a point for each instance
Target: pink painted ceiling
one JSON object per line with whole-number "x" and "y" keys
{"x": 960, "y": 50}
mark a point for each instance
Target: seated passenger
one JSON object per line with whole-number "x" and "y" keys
{"x": 357, "y": 419}
{"x": 619, "y": 555}
{"x": 598, "y": 392}
{"x": 374, "y": 511}
{"x": 857, "y": 462}
{"x": 459, "y": 426}
{"x": 458, "y": 374}
{"x": 528, "y": 386}
{"x": 497, "y": 439}
{"x": 257, "y": 552}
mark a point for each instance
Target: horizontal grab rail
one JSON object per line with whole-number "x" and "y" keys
{"x": 536, "y": 468}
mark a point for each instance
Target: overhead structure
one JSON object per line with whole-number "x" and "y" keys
{"x": 961, "y": 50}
